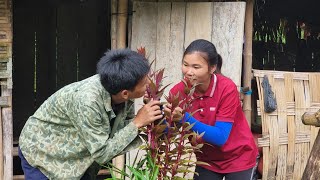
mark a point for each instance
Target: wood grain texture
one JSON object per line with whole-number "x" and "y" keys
{"x": 227, "y": 35}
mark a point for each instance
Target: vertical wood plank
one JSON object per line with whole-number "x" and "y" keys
{"x": 7, "y": 135}
{"x": 227, "y": 35}
{"x": 144, "y": 27}
{"x": 24, "y": 66}
{"x": 67, "y": 43}
{"x": 178, "y": 15}
{"x": 163, "y": 42}
{"x": 92, "y": 36}
{"x": 198, "y": 26}
{"x": 45, "y": 53}
{"x": 144, "y": 31}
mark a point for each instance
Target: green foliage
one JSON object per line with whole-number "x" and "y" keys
{"x": 144, "y": 169}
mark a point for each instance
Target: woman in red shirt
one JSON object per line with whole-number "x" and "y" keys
{"x": 232, "y": 151}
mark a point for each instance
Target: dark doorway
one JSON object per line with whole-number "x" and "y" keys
{"x": 56, "y": 42}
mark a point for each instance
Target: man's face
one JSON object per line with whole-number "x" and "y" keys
{"x": 140, "y": 88}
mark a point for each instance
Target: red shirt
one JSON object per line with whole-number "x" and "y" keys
{"x": 221, "y": 102}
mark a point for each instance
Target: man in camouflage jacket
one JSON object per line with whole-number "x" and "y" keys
{"x": 88, "y": 122}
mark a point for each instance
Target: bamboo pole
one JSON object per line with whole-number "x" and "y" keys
{"x": 114, "y": 8}
{"x": 121, "y": 31}
{"x": 122, "y": 23}
{"x": 247, "y": 68}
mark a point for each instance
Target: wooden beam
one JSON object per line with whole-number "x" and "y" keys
{"x": 312, "y": 170}
{"x": 247, "y": 54}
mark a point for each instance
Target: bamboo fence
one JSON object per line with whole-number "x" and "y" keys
{"x": 286, "y": 141}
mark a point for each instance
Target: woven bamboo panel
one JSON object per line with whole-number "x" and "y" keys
{"x": 286, "y": 141}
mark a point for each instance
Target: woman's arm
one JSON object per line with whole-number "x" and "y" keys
{"x": 216, "y": 135}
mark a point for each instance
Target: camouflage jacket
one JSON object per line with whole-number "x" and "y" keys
{"x": 71, "y": 130}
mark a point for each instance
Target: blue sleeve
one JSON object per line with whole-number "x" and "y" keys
{"x": 216, "y": 135}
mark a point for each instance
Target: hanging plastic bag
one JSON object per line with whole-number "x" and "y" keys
{"x": 270, "y": 103}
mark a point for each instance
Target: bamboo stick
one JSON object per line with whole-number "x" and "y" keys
{"x": 248, "y": 58}
{"x": 122, "y": 23}
{"x": 119, "y": 161}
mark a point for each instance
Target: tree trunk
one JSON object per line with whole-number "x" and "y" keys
{"x": 247, "y": 65}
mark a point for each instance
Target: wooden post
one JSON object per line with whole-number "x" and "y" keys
{"x": 247, "y": 54}
{"x": 312, "y": 170}
{"x": 119, "y": 161}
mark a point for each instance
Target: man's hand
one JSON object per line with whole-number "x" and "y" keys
{"x": 147, "y": 114}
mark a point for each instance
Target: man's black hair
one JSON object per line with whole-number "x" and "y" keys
{"x": 122, "y": 69}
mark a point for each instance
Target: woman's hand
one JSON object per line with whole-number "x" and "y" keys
{"x": 176, "y": 114}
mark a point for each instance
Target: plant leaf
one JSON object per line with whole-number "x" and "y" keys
{"x": 202, "y": 163}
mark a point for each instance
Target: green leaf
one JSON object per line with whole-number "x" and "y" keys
{"x": 178, "y": 178}
{"x": 202, "y": 163}
{"x": 199, "y": 146}
{"x": 189, "y": 127}
{"x": 155, "y": 173}
{"x": 136, "y": 173}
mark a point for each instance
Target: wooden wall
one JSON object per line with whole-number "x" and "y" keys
{"x": 55, "y": 43}
{"x": 6, "y": 89}
{"x": 167, "y": 28}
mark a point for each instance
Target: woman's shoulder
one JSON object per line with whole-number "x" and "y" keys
{"x": 225, "y": 81}
{"x": 177, "y": 87}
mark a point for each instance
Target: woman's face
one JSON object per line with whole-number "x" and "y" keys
{"x": 195, "y": 68}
